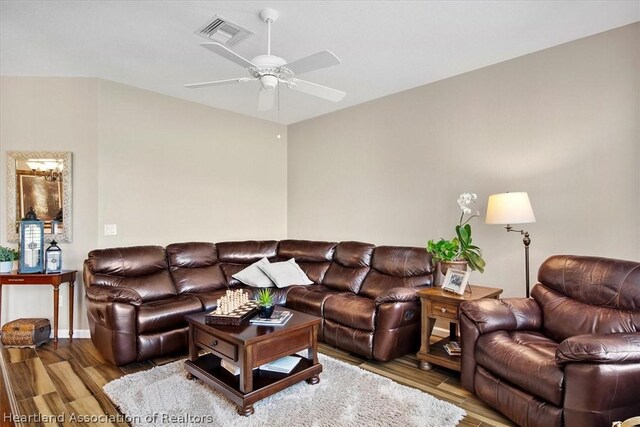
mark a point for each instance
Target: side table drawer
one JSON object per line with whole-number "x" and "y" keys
{"x": 216, "y": 345}
{"x": 443, "y": 309}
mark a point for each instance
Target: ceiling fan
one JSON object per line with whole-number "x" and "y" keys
{"x": 270, "y": 70}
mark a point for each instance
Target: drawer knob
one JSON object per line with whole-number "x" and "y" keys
{"x": 443, "y": 310}
{"x": 214, "y": 343}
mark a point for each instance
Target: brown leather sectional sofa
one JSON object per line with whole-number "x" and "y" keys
{"x": 569, "y": 356}
{"x": 137, "y": 297}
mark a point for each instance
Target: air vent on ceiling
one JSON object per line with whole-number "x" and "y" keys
{"x": 223, "y": 31}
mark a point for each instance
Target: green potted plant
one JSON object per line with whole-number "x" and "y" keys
{"x": 265, "y": 303}
{"x": 7, "y": 256}
{"x": 459, "y": 252}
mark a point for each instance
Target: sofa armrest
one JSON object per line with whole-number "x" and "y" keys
{"x": 397, "y": 295}
{"x": 509, "y": 314}
{"x": 113, "y": 294}
{"x": 600, "y": 348}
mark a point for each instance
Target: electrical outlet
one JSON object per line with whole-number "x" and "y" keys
{"x": 110, "y": 229}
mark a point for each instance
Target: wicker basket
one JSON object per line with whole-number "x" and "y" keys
{"x": 26, "y": 332}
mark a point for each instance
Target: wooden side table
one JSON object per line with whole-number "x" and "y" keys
{"x": 443, "y": 305}
{"x": 52, "y": 279}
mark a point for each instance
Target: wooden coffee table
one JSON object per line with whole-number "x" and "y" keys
{"x": 249, "y": 346}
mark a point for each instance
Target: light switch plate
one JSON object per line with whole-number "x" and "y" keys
{"x": 110, "y": 229}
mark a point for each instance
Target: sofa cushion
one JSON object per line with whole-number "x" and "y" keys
{"x": 141, "y": 268}
{"x": 514, "y": 356}
{"x": 127, "y": 262}
{"x": 399, "y": 261}
{"x": 313, "y": 257}
{"x": 308, "y": 299}
{"x": 565, "y": 317}
{"x": 254, "y": 276}
{"x": 349, "y": 267}
{"x": 246, "y": 252}
{"x": 150, "y": 287}
{"x": 286, "y": 273}
{"x": 351, "y": 310}
{"x": 596, "y": 281}
{"x": 397, "y": 267}
{"x": 349, "y": 339}
{"x": 195, "y": 268}
{"x": 166, "y": 314}
{"x": 306, "y": 250}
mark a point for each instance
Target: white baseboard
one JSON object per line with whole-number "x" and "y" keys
{"x": 77, "y": 333}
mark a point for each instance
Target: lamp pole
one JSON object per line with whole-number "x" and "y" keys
{"x": 526, "y": 240}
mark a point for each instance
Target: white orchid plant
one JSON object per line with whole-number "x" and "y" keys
{"x": 460, "y": 248}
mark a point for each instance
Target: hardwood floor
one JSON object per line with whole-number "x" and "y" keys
{"x": 44, "y": 386}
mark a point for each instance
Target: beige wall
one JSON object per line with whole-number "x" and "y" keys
{"x": 164, "y": 170}
{"x": 175, "y": 171}
{"x": 52, "y": 114}
{"x": 561, "y": 124}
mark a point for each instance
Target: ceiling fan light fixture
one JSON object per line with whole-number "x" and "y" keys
{"x": 269, "y": 82}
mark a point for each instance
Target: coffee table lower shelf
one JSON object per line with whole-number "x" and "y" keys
{"x": 207, "y": 368}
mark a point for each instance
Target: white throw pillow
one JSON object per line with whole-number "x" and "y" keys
{"x": 254, "y": 276}
{"x": 286, "y": 273}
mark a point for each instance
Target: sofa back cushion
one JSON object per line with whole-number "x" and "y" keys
{"x": 195, "y": 267}
{"x": 351, "y": 263}
{"x": 236, "y": 256}
{"x": 584, "y": 295}
{"x": 313, "y": 257}
{"x": 397, "y": 267}
{"x": 141, "y": 268}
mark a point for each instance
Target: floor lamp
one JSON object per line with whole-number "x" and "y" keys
{"x": 512, "y": 208}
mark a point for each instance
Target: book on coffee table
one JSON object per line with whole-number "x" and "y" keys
{"x": 283, "y": 365}
{"x": 279, "y": 317}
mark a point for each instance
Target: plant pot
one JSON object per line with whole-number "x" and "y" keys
{"x": 6, "y": 266}
{"x": 443, "y": 266}
{"x": 265, "y": 312}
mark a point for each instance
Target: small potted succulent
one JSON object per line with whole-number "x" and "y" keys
{"x": 7, "y": 256}
{"x": 265, "y": 303}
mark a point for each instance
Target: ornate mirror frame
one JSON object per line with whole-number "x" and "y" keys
{"x": 13, "y": 216}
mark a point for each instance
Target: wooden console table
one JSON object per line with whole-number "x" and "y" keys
{"x": 443, "y": 305}
{"x": 53, "y": 279}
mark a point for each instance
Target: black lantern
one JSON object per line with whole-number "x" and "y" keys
{"x": 31, "y": 244}
{"x": 53, "y": 258}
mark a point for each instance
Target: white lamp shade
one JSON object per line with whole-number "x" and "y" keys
{"x": 509, "y": 208}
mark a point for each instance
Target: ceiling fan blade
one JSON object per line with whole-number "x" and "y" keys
{"x": 228, "y": 54}
{"x": 320, "y": 91}
{"x": 218, "y": 82}
{"x": 266, "y": 99}
{"x": 314, "y": 62}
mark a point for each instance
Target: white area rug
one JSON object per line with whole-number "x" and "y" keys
{"x": 345, "y": 396}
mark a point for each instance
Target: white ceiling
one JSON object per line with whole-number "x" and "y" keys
{"x": 385, "y": 46}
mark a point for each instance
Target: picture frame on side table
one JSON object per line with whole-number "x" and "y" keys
{"x": 456, "y": 281}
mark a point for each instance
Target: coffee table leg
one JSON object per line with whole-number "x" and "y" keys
{"x": 314, "y": 380}
{"x": 246, "y": 410}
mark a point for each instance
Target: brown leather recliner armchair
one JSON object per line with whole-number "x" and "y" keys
{"x": 568, "y": 356}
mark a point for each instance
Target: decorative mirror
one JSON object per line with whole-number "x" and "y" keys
{"x": 42, "y": 180}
